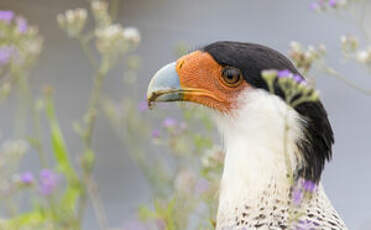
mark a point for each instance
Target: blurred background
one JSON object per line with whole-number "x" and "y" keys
{"x": 167, "y": 28}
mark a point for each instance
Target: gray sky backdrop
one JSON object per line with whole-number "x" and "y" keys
{"x": 163, "y": 23}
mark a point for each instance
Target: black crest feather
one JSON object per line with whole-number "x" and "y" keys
{"x": 252, "y": 59}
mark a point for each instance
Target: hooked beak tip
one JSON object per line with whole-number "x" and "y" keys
{"x": 164, "y": 86}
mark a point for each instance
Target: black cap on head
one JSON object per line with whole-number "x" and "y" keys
{"x": 250, "y": 58}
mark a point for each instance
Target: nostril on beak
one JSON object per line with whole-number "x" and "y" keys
{"x": 180, "y": 64}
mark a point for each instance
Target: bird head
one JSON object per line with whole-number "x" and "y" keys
{"x": 221, "y": 75}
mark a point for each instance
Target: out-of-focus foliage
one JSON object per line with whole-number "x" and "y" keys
{"x": 314, "y": 58}
{"x": 184, "y": 179}
{"x": 57, "y": 197}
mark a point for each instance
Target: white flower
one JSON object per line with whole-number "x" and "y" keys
{"x": 73, "y": 21}
{"x": 61, "y": 20}
{"x": 70, "y": 16}
{"x": 132, "y": 34}
{"x": 322, "y": 49}
{"x": 81, "y": 14}
{"x": 295, "y": 46}
{"x": 114, "y": 39}
{"x": 17, "y": 147}
{"x": 11, "y": 152}
{"x": 349, "y": 43}
{"x": 311, "y": 52}
{"x": 100, "y": 12}
{"x": 111, "y": 39}
{"x": 109, "y": 32}
{"x": 363, "y": 56}
{"x": 343, "y": 39}
{"x": 99, "y": 6}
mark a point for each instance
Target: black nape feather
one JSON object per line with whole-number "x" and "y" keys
{"x": 252, "y": 59}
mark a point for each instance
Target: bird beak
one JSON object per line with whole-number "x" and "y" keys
{"x": 165, "y": 85}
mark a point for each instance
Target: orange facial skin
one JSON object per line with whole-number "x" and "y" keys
{"x": 201, "y": 79}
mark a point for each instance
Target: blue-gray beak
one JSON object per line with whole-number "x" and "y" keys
{"x": 165, "y": 85}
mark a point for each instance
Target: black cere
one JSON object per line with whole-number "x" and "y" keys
{"x": 252, "y": 59}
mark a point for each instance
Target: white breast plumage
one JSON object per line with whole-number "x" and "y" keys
{"x": 255, "y": 192}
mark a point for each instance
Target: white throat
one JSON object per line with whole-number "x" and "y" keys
{"x": 254, "y": 144}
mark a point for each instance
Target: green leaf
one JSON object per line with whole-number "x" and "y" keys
{"x": 27, "y": 219}
{"x": 201, "y": 142}
{"x": 64, "y": 165}
{"x": 146, "y": 214}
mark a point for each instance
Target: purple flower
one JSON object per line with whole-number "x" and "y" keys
{"x": 284, "y": 73}
{"x": 305, "y": 225}
{"x": 288, "y": 74}
{"x": 6, "y": 15}
{"x": 155, "y": 133}
{"x": 27, "y": 178}
{"x": 169, "y": 122}
{"x": 5, "y": 54}
{"x": 332, "y": 3}
{"x": 309, "y": 186}
{"x": 48, "y": 181}
{"x": 315, "y": 6}
{"x": 143, "y": 106}
{"x": 21, "y": 24}
{"x": 298, "y": 78}
{"x": 297, "y": 195}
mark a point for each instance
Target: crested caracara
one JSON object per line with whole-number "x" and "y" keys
{"x": 255, "y": 192}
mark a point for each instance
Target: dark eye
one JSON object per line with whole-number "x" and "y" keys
{"x": 231, "y": 76}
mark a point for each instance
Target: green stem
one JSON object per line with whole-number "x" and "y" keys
{"x": 338, "y": 76}
{"x": 287, "y": 157}
{"x": 28, "y": 101}
{"x": 94, "y": 100}
{"x": 115, "y": 4}
{"x": 90, "y": 121}
{"x": 21, "y": 106}
{"x": 363, "y": 22}
{"x": 84, "y": 42}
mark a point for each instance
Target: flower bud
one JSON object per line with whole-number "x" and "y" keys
{"x": 27, "y": 178}
{"x": 61, "y": 20}
{"x": 100, "y": 12}
{"x": 132, "y": 35}
{"x": 269, "y": 74}
{"x": 72, "y": 21}
{"x": 295, "y": 46}
{"x": 111, "y": 40}
{"x": 363, "y": 56}
{"x": 99, "y": 6}
{"x": 349, "y": 43}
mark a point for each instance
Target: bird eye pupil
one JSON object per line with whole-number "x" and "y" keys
{"x": 231, "y": 76}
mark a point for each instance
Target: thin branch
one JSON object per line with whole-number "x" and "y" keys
{"x": 285, "y": 149}
{"x": 29, "y": 101}
{"x": 84, "y": 42}
{"x": 90, "y": 121}
{"x": 96, "y": 201}
{"x": 114, "y": 6}
{"x": 337, "y": 75}
{"x": 363, "y": 24}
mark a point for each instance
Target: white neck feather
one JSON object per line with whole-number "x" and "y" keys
{"x": 254, "y": 144}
